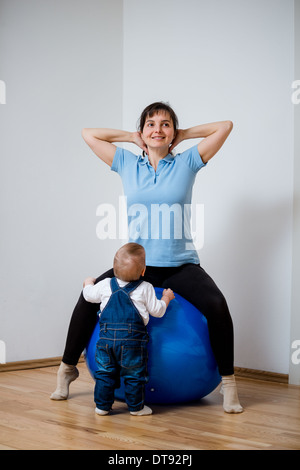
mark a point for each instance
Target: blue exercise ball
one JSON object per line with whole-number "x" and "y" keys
{"x": 181, "y": 364}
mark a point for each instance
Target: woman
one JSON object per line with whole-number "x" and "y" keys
{"x": 154, "y": 178}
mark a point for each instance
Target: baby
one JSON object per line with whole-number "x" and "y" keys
{"x": 126, "y": 302}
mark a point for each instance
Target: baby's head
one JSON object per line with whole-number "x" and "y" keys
{"x": 129, "y": 262}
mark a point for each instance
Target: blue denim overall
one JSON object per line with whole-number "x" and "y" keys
{"x": 121, "y": 350}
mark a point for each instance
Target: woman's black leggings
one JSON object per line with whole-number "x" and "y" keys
{"x": 191, "y": 282}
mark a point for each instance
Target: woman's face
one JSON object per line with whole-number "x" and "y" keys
{"x": 158, "y": 131}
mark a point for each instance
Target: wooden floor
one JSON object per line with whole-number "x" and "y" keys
{"x": 29, "y": 420}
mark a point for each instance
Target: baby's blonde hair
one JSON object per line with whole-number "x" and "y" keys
{"x": 129, "y": 262}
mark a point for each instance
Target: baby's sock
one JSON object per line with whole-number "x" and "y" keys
{"x": 231, "y": 402}
{"x": 143, "y": 412}
{"x": 101, "y": 412}
{"x": 65, "y": 375}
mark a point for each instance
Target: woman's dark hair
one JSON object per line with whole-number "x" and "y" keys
{"x": 155, "y": 108}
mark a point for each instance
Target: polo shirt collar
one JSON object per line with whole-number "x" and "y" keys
{"x": 143, "y": 159}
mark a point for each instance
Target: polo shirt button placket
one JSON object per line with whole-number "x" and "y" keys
{"x": 153, "y": 172}
{"x": 156, "y": 173}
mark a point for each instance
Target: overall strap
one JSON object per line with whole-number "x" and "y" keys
{"x": 128, "y": 288}
{"x": 114, "y": 285}
{"x": 131, "y": 286}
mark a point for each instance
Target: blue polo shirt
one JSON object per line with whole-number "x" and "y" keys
{"x": 159, "y": 204}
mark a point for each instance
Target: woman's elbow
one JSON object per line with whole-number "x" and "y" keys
{"x": 226, "y": 128}
{"x": 84, "y": 133}
{"x": 87, "y": 135}
{"x": 229, "y": 125}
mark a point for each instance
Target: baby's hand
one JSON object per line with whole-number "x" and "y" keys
{"x": 88, "y": 281}
{"x": 169, "y": 293}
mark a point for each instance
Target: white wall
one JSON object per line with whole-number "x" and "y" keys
{"x": 233, "y": 60}
{"x": 294, "y": 372}
{"x": 61, "y": 62}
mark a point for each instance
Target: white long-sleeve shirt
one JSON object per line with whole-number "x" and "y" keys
{"x": 143, "y": 297}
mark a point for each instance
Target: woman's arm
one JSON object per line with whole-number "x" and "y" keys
{"x": 213, "y": 134}
{"x": 101, "y": 141}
